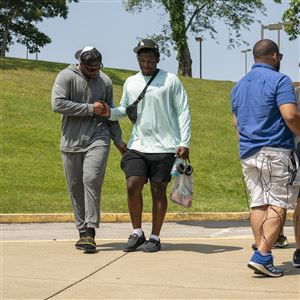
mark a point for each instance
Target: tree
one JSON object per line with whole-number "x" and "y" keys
{"x": 197, "y": 16}
{"x": 292, "y": 14}
{"x": 18, "y": 20}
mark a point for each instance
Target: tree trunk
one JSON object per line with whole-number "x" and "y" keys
{"x": 5, "y": 39}
{"x": 185, "y": 63}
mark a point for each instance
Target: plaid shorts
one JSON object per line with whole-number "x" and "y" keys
{"x": 269, "y": 177}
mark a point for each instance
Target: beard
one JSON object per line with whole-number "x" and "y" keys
{"x": 278, "y": 67}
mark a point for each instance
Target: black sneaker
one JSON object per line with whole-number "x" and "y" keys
{"x": 89, "y": 245}
{"x": 281, "y": 242}
{"x": 296, "y": 258}
{"x": 152, "y": 246}
{"x": 134, "y": 241}
{"x": 79, "y": 245}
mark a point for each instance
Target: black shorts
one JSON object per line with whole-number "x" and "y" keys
{"x": 155, "y": 166}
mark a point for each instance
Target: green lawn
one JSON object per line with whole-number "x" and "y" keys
{"x": 32, "y": 178}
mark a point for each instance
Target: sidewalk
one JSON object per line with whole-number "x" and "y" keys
{"x": 199, "y": 260}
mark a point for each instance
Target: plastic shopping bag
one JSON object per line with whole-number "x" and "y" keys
{"x": 182, "y": 190}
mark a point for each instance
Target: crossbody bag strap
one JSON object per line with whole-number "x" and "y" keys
{"x": 142, "y": 94}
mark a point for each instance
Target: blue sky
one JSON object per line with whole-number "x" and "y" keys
{"x": 107, "y": 26}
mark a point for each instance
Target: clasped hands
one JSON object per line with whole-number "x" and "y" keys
{"x": 101, "y": 108}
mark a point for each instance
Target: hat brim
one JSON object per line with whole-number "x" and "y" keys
{"x": 138, "y": 48}
{"x": 77, "y": 54}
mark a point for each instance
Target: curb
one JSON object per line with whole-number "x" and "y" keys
{"x": 124, "y": 217}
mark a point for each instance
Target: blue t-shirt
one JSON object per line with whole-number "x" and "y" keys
{"x": 255, "y": 101}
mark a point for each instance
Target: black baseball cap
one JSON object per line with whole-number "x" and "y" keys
{"x": 88, "y": 55}
{"x": 146, "y": 44}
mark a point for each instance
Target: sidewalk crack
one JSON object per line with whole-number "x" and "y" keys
{"x": 87, "y": 276}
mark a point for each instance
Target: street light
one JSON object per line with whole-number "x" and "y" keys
{"x": 277, "y": 26}
{"x": 245, "y": 51}
{"x": 199, "y": 39}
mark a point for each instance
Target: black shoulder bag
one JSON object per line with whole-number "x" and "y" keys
{"x": 131, "y": 109}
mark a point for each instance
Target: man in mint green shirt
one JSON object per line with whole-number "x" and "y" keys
{"x": 161, "y": 132}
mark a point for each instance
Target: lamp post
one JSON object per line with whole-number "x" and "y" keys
{"x": 199, "y": 39}
{"x": 245, "y": 51}
{"x": 277, "y": 26}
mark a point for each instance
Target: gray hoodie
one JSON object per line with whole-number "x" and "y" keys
{"x": 73, "y": 96}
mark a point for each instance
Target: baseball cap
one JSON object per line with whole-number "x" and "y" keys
{"x": 88, "y": 55}
{"x": 146, "y": 43}
{"x": 85, "y": 49}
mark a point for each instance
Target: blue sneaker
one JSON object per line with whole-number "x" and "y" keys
{"x": 264, "y": 265}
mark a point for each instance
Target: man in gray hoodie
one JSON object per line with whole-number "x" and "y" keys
{"x": 85, "y": 139}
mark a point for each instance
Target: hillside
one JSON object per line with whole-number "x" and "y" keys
{"x": 32, "y": 174}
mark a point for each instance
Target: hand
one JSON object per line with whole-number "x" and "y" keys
{"x": 101, "y": 108}
{"x": 183, "y": 152}
{"x": 122, "y": 148}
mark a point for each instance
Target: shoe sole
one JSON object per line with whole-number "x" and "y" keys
{"x": 259, "y": 268}
{"x": 280, "y": 246}
{"x": 151, "y": 251}
{"x": 296, "y": 265}
{"x": 90, "y": 250}
{"x": 79, "y": 248}
{"x": 133, "y": 249}
{"x": 130, "y": 250}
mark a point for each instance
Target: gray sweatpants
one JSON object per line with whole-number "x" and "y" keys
{"x": 84, "y": 173}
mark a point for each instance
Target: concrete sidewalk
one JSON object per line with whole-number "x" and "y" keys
{"x": 199, "y": 260}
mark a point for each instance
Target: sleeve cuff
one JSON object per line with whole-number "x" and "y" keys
{"x": 90, "y": 108}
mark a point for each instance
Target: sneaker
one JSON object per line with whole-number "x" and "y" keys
{"x": 152, "y": 246}
{"x": 264, "y": 265}
{"x": 296, "y": 258}
{"x": 89, "y": 245}
{"x": 134, "y": 241}
{"x": 79, "y": 245}
{"x": 281, "y": 242}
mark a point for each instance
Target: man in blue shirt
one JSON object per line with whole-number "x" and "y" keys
{"x": 265, "y": 113}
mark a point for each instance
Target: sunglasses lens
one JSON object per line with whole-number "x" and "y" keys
{"x": 180, "y": 168}
{"x": 188, "y": 170}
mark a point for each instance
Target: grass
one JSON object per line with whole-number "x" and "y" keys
{"x": 32, "y": 179}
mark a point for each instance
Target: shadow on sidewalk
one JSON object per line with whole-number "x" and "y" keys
{"x": 222, "y": 224}
{"x": 200, "y": 248}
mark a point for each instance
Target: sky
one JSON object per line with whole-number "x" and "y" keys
{"x": 114, "y": 32}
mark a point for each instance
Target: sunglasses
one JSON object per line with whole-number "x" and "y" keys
{"x": 280, "y": 55}
{"x": 93, "y": 69}
{"x": 184, "y": 169}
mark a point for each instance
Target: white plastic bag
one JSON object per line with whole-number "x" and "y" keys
{"x": 182, "y": 190}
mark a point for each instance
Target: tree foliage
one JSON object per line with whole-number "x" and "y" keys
{"x": 292, "y": 14}
{"x": 198, "y": 16}
{"x": 18, "y": 20}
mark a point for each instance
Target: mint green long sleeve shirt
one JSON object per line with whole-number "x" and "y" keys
{"x": 163, "y": 117}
